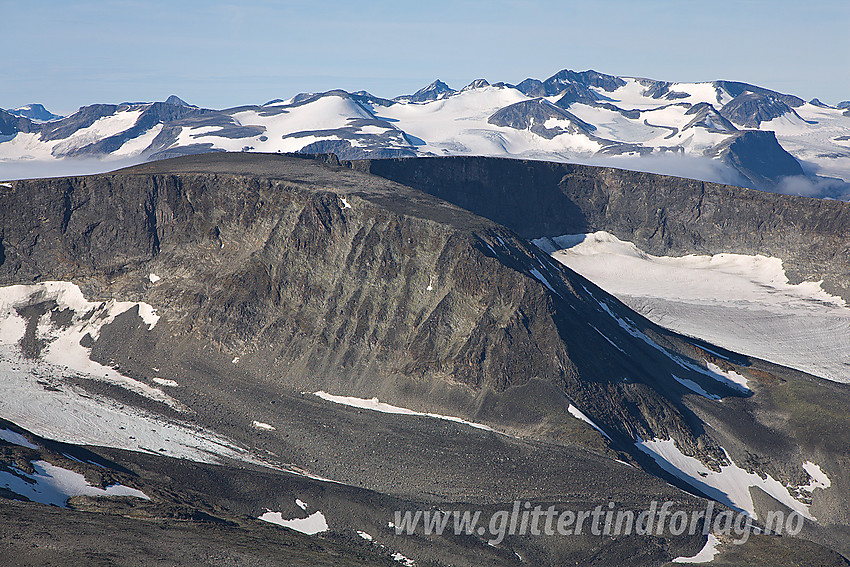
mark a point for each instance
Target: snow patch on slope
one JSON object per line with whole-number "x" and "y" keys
{"x": 62, "y": 343}
{"x": 578, "y": 414}
{"x": 54, "y": 485}
{"x": 374, "y": 404}
{"x": 631, "y": 329}
{"x": 731, "y": 486}
{"x": 406, "y": 561}
{"x": 100, "y": 129}
{"x": 136, "y": 146}
{"x": 819, "y": 478}
{"x": 39, "y": 394}
{"x": 16, "y": 438}
{"x": 313, "y": 524}
{"x": 741, "y": 303}
{"x": 38, "y": 399}
{"x": 705, "y": 555}
{"x": 735, "y": 380}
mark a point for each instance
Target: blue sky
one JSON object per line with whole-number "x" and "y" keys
{"x": 217, "y": 54}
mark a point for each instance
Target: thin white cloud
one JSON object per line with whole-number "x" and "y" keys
{"x": 12, "y": 170}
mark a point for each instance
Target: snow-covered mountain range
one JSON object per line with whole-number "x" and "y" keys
{"x": 723, "y": 131}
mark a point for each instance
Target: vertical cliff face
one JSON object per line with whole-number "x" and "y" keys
{"x": 317, "y": 277}
{"x": 662, "y": 215}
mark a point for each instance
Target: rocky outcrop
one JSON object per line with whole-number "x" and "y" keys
{"x": 177, "y": 101}
{"x": 35, "y": 112}
{"x": 589, "y": 78}
{"x": 735, "y": 89}
{"x": 83, "y": 118}
{"x": 11, "y": 124}
{"x": 476, "y": 84}
{"x": 575, "y": 92}
{"x": 434, "y": 91}
{"x": 174, "y": 115}
{"x": 531, "y": 87}
{"x": 706, "y": 116}
{"x": 534, "y": 115}
{"x": 661, "y": 89}
{"x": 751, "y": 109}
{"x": 758, "y": 157}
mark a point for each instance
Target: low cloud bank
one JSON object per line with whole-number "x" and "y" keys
{"x": 33, "y": 169}
{"x": 678, "y": 165}
{"x": 820, "y": 187}
{"x": 708, "y": 169}
{"x": 690, "y": 167}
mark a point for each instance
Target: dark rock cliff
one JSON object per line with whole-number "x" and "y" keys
{"x": 318, "y": 277}
{"x": 661, "y": 214}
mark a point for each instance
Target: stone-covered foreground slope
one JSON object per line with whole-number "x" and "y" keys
{"x": 277, "y": 277}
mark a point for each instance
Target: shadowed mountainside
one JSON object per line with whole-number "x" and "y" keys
{"x": 662, "y": 215}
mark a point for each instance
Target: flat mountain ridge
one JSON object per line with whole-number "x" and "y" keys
{"x": 664, "y": 215}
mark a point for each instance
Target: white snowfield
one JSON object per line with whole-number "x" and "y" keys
{"x": 102, "y": 128}
{"x": 742, "y": 303}
{"x": 53, "y": 485}
{"x": 36, "y": 397}
{"x": 35, "y": 393}
{"x": 374, "y": 404}
{"x": 16, "y": 438}
{"x": 136, "y": 146}
{"x": 458, "y": 125}
{"x": 705, "y": 555}
{"x": 731, "y": 486}
{"x": 406, "y": 561}
{"x": 313, "y": 524}
{"x": 62, "y": 344}
{"x": 819, "y": 478}
{"x": 733, "y": 380}
{"x": 30, "y": 146}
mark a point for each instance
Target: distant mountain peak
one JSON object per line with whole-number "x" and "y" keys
{"x": 35, "y": 112}
{"x": 436, "y": 90}
{"x": 177, "y": 101}
{"x": 476, "y": 84}
{"x": 589, "y": 78}
{"x": 437, "y": 85}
